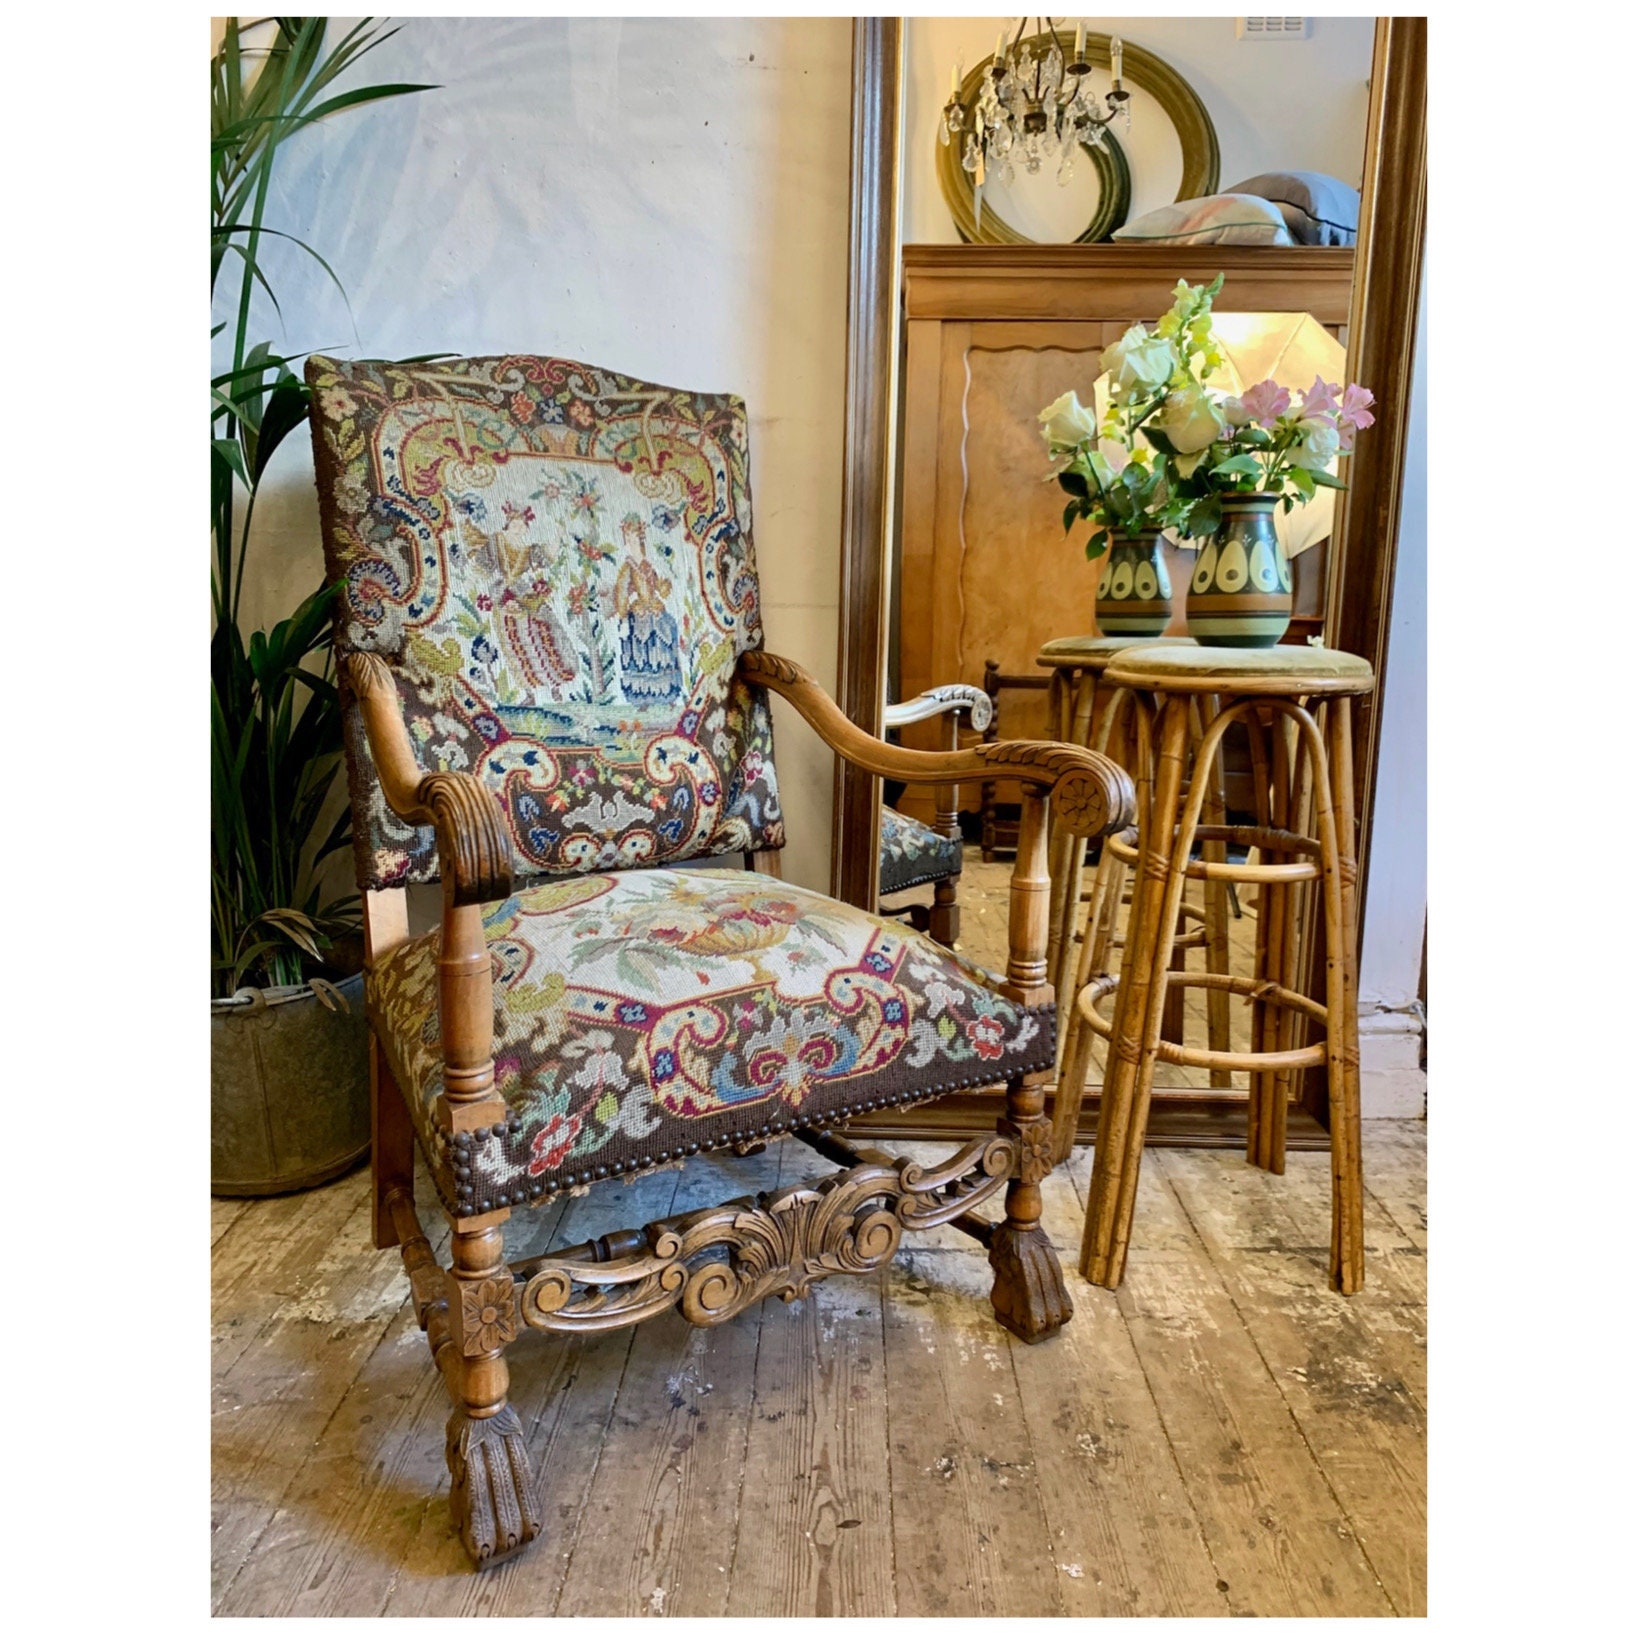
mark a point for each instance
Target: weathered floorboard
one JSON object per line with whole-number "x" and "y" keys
{"x": 970, "y": 1533}
{"x": 1334, "y": 1362}
{"x": 1224, "y": 1435}
{"x": 1274, "y": 1526}
{"x": 814, "y": 1535}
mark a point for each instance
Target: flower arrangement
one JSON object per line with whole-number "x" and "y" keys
{"x": 1198, "y": 444}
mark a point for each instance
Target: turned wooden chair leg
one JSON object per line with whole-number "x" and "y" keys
{"x": 1029, "y": 1296}
{"x": 492, "y": 1492}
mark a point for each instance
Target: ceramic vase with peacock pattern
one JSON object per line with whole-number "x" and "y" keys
{"x": 1240, "y": 592}
{"x": 1134, "y": 590}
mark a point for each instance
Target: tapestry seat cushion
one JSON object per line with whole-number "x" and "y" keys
{"x": 643, "y": 1016}
{"x": 914, "y": 853}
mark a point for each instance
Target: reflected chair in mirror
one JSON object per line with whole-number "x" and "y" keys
{"x": 552, "y": 675}
{"x": 914, "y": 854}
{"x": 998, "y": 828}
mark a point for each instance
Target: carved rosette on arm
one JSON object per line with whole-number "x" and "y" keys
{"x": 555, "y": 565}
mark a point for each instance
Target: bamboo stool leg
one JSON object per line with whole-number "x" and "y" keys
{"x": 1125, "y": 717}
{"x": 1058, "y": 838}
{"x": 1070, "y": 858}
{"x": 1103, "y": 906}
{"x": 1265, "y": 1124}
{"x": 1290, "y": 1026}
{"x": 1216, "y": 906}
{"x": 1347, "y": 1170}
{"x": 1141, "y": 1000}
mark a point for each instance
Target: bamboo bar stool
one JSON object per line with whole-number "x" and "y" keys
{"x": 1303, "y": 771}
{"x": 1196, "y": 928}
{"x": 1082, "y": 713}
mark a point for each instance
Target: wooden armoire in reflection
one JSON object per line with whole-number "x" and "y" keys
{"x": 993, "y": 333}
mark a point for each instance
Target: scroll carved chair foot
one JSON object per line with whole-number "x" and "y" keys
{"x": 1029, "y": 1296}
{"x": 492, "y": 1491}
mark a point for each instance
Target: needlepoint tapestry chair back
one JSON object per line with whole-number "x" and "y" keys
{"x": 556, "y": 563}
{"x": 551, "y": 664}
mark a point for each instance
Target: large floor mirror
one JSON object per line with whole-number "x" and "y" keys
{"x": 971, "y": 306}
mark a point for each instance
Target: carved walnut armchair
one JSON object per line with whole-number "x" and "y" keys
{"x": 913, "y": 854}
{"x": 549, "y": 645}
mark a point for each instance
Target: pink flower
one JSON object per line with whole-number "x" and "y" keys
{"x": 1353, "y": 414}
{"x": 1321, "y": 398}
{"x": 1265, "y": 403}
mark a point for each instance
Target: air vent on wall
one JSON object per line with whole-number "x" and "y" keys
{"x": 1271, "y": 28}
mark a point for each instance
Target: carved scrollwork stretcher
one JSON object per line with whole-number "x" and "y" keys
{"x": 714, "y": 1263}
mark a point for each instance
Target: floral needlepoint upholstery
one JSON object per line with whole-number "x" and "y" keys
{"x": 914, "y": 853}
{"x": 645, "y": 1015}
{"x": 555, "y": 561}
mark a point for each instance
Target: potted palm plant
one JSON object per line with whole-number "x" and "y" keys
{"x": 289, "y": 1055}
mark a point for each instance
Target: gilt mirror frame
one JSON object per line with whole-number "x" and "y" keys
{"x": 1381, "y": 346}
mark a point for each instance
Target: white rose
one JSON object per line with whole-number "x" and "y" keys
{"x": 1319, "y": 446}
{"x": 1189, "y": 419}
{"x": 1068, "y": 422}
{"x": 1138, "y": 364}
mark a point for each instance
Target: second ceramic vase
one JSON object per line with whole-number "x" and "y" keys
{"x": 1134, "y": 591}
{"x": 1240, "y": 592}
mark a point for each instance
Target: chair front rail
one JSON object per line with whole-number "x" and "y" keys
{"x": 714, "y": 1263}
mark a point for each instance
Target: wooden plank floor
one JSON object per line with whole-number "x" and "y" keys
{"x": 1223, "y": 1436}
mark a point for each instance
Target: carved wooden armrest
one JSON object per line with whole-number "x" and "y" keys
{"x": 936, "y": 701}
{"x": 1092, "y": 795}
{"x": 474, "y": 851}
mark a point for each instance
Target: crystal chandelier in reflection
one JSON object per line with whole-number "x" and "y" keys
{"x": 1032, "y": 107}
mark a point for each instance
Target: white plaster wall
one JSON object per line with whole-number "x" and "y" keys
{"x": 1276, "y": 105}
{"x": 1390, "y": 1025}
{"x": 639, "y": 194}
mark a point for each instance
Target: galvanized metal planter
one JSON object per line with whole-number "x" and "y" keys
{"x": 289, "y": 1089}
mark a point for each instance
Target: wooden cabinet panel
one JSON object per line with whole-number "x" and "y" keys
{"x": 993, "y": 333}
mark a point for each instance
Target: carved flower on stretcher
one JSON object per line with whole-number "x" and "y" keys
{"x": 487, "y": 1313}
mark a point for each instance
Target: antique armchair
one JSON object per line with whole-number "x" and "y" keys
{"x": 548, "y": 640}
{"x": 914, "y": 854}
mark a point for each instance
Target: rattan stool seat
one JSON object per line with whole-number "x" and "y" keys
{"x": 1091, "y": 653}
{"x": 1182, "y": 666}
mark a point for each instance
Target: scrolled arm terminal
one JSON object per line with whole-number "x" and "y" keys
{"x": 474, "y": 851}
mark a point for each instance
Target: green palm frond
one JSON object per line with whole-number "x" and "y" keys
{"x": 276, "y": 733}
